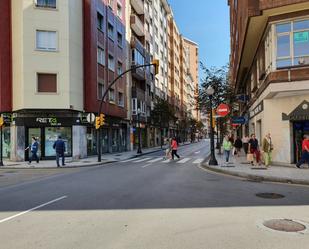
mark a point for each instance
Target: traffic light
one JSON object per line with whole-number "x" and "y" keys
{"x": 102, "y": 119}
{"x": 97, "y": 122}
{"x": 1, "y": 121}
{"x": 213, "y": 118}
{"x": 156, "y": 64}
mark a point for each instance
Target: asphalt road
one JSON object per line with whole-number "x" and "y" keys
{"x": 149, "y": 203}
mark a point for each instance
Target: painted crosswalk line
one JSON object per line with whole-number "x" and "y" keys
{"x": 155, "y": 160}
{"x": 184, "y": 160}
{"x": 130, "y": 160}
{"x": 167, "y": 161}
{"x": 142, "y": 160}
{"x": 198, "y": 161}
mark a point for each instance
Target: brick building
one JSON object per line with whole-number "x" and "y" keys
{"x": 270, "y": 68}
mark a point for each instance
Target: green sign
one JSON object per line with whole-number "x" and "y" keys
{"x": 300, "y": 37}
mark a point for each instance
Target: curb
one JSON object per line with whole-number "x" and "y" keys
{"x": 255, "y": 177}
{"x": 63, "y": 167}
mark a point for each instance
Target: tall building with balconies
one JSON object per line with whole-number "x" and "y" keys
{"x": 269, "y": 71}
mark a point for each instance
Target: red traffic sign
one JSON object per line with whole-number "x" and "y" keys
{"x": 223, "y": 110}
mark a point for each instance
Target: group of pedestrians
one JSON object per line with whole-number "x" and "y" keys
{"x": 250, "y": 147}
{"x": 59, "y": 147}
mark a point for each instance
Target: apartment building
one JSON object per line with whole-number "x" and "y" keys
{"x": 57, "y": 58}
{"x": 269, "y": 71}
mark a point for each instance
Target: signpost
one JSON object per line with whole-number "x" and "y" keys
{"x": 223, "y": 110}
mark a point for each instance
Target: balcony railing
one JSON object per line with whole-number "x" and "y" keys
{"x": 137, "y": 25}
{"x": 138, "y": 5}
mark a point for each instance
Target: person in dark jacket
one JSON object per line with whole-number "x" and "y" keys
{"x": 34, "y": 147}
{"x": 59, "y": 146}
{"x": 238, "y": 146}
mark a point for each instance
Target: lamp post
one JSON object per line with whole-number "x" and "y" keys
{"x": 139, "y": 149}
{"x": 212, "y": 161}
{"x": 177, "y": 131}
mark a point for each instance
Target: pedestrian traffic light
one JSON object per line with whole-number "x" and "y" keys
{"x": 97, "y": 122}
{"x": 213, "y": 118}
{"x": 156, "y": 64}
{"x": 1, "y": 121}
{"x": 102, "y": 119}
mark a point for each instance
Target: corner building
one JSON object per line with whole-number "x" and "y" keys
{"x": 57, "y": 57}
{"x": 270, "y": 70}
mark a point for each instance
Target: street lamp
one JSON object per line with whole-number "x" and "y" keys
{"x": 177, "y": 130}
{"x": 212, "y": 161}
{"x": 139, "y": 149}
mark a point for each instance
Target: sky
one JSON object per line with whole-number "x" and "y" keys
{"x": 207, "y": 23}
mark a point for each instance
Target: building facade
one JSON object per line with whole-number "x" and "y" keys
{"x": 269, "y": 69}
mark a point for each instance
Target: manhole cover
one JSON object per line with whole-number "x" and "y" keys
{"x": 284, "y": 225}
{"x": 270, "y": 195}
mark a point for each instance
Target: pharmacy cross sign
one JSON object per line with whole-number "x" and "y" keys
{"x": 223, "y": 110}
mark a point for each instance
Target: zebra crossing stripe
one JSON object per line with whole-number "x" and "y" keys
{"x": 155, "y": 160}
{"x": 130, "y": 160}
{"x": 184, "y": 160}
{"x": 142, "y": 160}
{"x": 197, "y": 161}
{"x": 166, "y": 161}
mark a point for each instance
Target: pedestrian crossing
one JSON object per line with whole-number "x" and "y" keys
{"x": 164, "y": 160}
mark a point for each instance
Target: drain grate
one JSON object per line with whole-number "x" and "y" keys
{"x": 270, "y": 195}
{"x": 284, "y": 225}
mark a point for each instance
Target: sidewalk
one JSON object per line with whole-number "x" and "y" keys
{"x": 239, "y": 166}
{"x": 85, "y": 162}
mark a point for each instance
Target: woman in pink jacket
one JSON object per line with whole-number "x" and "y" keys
{"x": 174, "y": 148}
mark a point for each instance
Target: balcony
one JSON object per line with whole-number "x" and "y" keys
{"x": 138, "y": 73}
{"x": 138, "y": 93}
{"x": 137, "y": 25}
{"x": 138, "y": 5}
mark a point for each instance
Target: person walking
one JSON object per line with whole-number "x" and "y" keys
{"x": 254, "y": 149}
{"x": 168, "y": 150}
{"x": 174, "y": 146}
{"x": 227, "y": 146}
{"x": 267, "y": 148}
{"x": 59, "y": 146}
{"x": 245, "y": 143}
{"x": 238, "y": 146}
{"x": 305, "y": 152}
{"x": 34, "y": 147}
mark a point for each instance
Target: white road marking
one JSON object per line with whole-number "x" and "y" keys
{"x": 167, "y": 161}
{"x": 130, "y": 160}
{"x": 197, "y": 161}
{"x": 37, "y": 207}
{"x": 184, "y": 160}
{"x": 142, "y": 160}
{"x": 155, "y": 160}
{"x": 197, "y": 152}
{"x": 146, "y": 165}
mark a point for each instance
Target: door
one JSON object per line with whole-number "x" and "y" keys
{"x": 300, "y": 128}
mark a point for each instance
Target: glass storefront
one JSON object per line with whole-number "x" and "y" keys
{"x": 91, "y": 141}
{"x": 301, "y": 128}
{"x": 34, "y": 132}
{"x": 6, "y": 136}
{"x": 51, "y": 135}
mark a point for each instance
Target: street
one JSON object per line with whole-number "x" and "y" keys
{"x": 148, "y": 203}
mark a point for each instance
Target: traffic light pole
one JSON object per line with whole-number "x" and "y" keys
{"x": 99, "y": 149}
{"x": 212, "y": 160}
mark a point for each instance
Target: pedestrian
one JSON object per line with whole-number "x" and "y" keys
{"x": 245, "y": 142}
{"x": 254, "y": 149}
{"x": 238, "y": 146}
{"x": 232, "y": 140}
{"x": 59, "y": 146}
{"x": 34, "y": 147}
{"x": 267, "y": 147}
{"x": 305, "y": 152}
{"x": 174, "y": 146}
{"x": 227, "y": 146}
{"x": 168, "y": 150}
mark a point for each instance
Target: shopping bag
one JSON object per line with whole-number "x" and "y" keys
{"x": 249, "y": 157}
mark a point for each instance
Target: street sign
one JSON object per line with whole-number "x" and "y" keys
{"x": 91, "y": 118}
{"x": 239, "y": 120}
{"x": 223, "y": 110}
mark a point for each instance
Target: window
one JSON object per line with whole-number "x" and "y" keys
{"x": 292, "y": 40}
{"x": 47, "y": 83}
{"x": 100, "y": 90}
{"x": 111, "y": 62}
{"x": 110, "y": 3}
{"x": 111, "y": 95}
{"x": 121, "y": 99}
{"x": 119, "y": 10}
{"x": 119, "y": 39}
{"x": 46, "y": 4}
{"x": 119, "y": 68}
{"x": 137, "y": 57}
{"x": 110, "y": 31}
{"x": 46, "y": 40}
{"x": 101, "y": 56}
{"x": 134, "y": 106}
{"x": 100, "y": 21}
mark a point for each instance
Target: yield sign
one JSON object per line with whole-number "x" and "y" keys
{"x": 223, "y": 110}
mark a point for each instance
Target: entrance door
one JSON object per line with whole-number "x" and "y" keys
{"x": 301, "y": 128}
{"x": 34, "y": 132}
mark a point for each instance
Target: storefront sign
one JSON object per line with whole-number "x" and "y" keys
{"x": 300, "y": 113}
{"x": 47, "y": 121}
{"x": 258, "y": 109}
{"x": 301, "y": 37}
{"x": 239, "y": 120}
